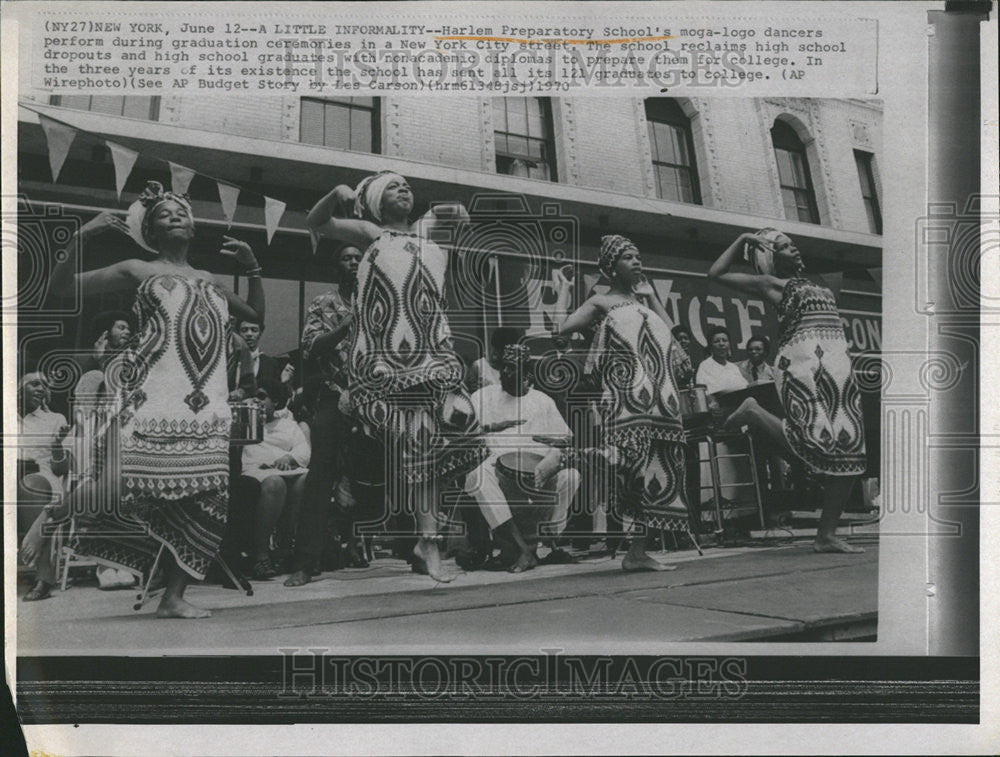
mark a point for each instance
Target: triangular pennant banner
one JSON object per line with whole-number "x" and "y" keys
{"x": 314, "y": 238}
{"x": 180, "y": 178}
{"x": 273, "y": 210}
{"x": 124, "y": 159}
{"x": 58, "y": 137}
{"x": 229, "y": 196}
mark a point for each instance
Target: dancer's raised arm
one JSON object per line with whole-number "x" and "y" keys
{"x": 117, "y": 277}
{"x": 332, "y": 216}
{"x": 251, "y": 309}
{"x": 764, "y": 285}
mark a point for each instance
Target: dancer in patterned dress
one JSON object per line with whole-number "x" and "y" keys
{"x": 165, "y": 456}
{"x": 405, "y": 379}
{"x": 640, "y": 367}
{"x": 823, "y": 425}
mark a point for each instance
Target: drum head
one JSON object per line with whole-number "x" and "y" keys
{"x": 519, "y": 462}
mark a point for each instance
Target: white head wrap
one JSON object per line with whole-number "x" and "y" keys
{"x": 369, "y": 193}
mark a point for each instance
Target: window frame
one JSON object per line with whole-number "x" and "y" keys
{"x": 374, "y": 112}
{"x": 789, "y": 142}
{"x": 154, "y": 105}
{"x": 673, "y": 116}
{"x": 865, "y": 162}
{"x": 548, "y": 141}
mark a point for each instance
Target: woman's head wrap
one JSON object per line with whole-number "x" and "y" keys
{"x": 613, "y": 247}
{"x": 368, "y": 204}
{"x": 760, "y": 254}
{"x": 516, "y": 355}
{"x": 151, "y": 198}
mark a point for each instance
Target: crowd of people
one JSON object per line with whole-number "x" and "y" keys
{"x": 205, "y": 450}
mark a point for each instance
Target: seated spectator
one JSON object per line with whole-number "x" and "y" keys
{"x": 683, "y": 336}
{"x": 512, "y": 413}
{"x": 485, "y": 371}
{"x": 277, "y": 466}
{"x": 756, "y": 369}
{"x": 43, "y": 463}
{"x": 112, "y": 330}
{"x": 715, "y": 371}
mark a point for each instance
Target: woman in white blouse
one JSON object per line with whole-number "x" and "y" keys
{"x": 716, "y": 372}
{"x": 279, "y": 463}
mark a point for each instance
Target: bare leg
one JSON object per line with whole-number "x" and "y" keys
{"x": 836, "y": 490}
{"x": 425, "y": 501}
{"x": 173, "y": 605}
{"x": 750, "y": 413}
{"x": 636, "y": 559}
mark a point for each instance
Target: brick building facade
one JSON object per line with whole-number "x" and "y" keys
{"x": 682, "y": 177}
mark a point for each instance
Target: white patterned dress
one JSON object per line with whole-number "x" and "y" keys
{"x": 165, "y": 454}
{"x": 823, "y": 422}
{"x": 640, "y": 366}
{"x": 406, "y": 382}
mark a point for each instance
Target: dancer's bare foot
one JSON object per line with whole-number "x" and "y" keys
{"x": 525, "y": 561}
{"x": 637, "y": 560}
{"x": 427, "y": 550}
{"x": 298, "y": 578}
{"x": 178, "y": 608}
{"x": 835, "y": 544}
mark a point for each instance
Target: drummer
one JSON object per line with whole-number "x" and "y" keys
{"x": 513, "y": 414}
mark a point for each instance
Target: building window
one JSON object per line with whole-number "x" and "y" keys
{"x": 673, "y": 151}
{"x": 129, "y": 106}
{"x": 866, "y": 175}
{"x": 524, "y": 137}
{"x": 793, "y": 174}
{"x": 346, "y": 123}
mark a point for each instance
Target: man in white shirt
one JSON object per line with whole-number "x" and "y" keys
{"x": 512, "y": 413}
{"x": 485, "y": 371}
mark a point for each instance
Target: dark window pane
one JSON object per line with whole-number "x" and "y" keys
{"x": 110, "y": 104}
{"x": 337, "y": 130}
{"x": 137, "y": 107}
{"x": 361, "y": 130}
{"x": 786, "y": 172}
{"x": 79, "y": 102}
{"x": 311, "y": 122}
{"x": 517, "y": 121}
{"x": 517, "y": 145}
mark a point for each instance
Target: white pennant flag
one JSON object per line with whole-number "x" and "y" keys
{"x": 124, "y": 159}
{"x": 58, "y": 137}
{"x": 273, "y": 210}
{"x": 180, "y": 178}
{"x": 314, "y": 238}
{"x": 229, "y": 196}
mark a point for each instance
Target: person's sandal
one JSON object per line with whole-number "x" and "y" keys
{"x": 41, "y": 590}
{"x": 299, "y": 578}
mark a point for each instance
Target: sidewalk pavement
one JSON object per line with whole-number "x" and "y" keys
{"x": 755, "y": 593}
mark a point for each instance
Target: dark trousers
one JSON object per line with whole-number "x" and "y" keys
{"x": 329, "y": 429}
